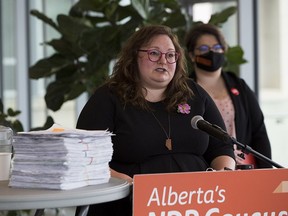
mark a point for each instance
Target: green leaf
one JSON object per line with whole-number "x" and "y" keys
{"x": 142, "y": 7}
{"x": 92, "y": 5}
{"x": 48, "y": 66}
{"x": 54, "y": 96}
{"x": 110, "y": 11}
{"x": 44, "y": 18}
{"x": 72, "y": 28}
{"x": 100, "y": 39}
{"x": 175, "y": 21}
{"x": 220, "y": 18}
{"x": 17, "y": 126}
{"x": 235, "y": 55}
{"x": 125, "y": 12}
{"x": 65, "y": 48}
{"x": 49, "y": 122}
{"x": 76, "y": 90}
{"x": 12, "y": 113}
{"x": 1, "y": 106}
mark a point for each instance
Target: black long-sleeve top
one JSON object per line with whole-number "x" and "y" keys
{"x": 139, "y": 141}
{"x": 249, "y": 120}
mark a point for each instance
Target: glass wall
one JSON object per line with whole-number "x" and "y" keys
{"x": 40, "y": 32}
{"x": 8, "y": 76}
{"x": 273, "y": 76}
{"x": 22, "y": 45}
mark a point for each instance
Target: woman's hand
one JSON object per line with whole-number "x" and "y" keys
{"x": 121, "y": 176}
{"x": 223, "y": 163}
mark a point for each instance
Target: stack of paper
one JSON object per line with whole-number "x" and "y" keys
{"x": 60, "y": 158}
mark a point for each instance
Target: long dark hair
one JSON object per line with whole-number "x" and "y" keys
{"x": 201, "y": 29}
{"x": 125, "y": 78}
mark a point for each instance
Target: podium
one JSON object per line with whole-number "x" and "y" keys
{"x": 241, "y": 192}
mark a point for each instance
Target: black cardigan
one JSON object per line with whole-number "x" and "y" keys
{"x": 249, "y": 119}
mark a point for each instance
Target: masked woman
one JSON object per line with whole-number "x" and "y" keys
{"x": 236, "y": 102}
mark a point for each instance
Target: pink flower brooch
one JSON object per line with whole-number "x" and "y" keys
{"x": 183, "y": 108}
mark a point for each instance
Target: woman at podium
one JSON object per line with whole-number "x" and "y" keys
{"x": 148, "y": 103}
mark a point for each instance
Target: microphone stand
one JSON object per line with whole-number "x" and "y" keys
{"x": 220, "y": 134}
{"x": 248, "y": 149}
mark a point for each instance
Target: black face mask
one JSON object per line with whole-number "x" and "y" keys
{"x": 210, "y": 61}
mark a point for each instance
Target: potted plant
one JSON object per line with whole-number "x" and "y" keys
{"x": 92, "y": 35}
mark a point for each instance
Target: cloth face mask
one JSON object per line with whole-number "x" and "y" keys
{"x": 210, "y": 61}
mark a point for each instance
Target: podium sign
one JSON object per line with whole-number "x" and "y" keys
{"x": 262, "y": 192}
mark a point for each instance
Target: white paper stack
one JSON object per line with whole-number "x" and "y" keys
{"x": 60, "y": 158}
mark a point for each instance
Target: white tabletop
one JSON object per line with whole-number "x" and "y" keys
{"x": 19, "y": 198}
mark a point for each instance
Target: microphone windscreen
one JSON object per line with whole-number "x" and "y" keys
{"x": 195, "y": 120}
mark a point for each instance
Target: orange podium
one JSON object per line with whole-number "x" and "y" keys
{"x": 262, "y": 192}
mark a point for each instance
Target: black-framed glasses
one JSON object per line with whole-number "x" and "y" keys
{"x": 155, "y": 55}
{"x": 218, "y": 48}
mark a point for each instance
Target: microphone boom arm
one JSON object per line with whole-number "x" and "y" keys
{"x": 248, "y": 149}
{"x": 217, "y": 132}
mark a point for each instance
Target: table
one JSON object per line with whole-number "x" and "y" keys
{"x": 21, "y": 199}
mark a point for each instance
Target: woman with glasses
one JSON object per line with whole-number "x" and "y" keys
{"x": 148, "y": 103}
{"x": 236, "y": 102}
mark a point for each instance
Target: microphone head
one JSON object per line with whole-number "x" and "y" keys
{"x": 195, "y": 120}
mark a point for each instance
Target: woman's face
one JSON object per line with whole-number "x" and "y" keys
{"x": 157, "y": 74}
{"x": 204, "y": 44}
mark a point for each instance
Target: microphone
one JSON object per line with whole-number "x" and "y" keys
{"x": 213, "y": 130}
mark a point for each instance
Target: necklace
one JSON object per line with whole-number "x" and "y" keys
{"x": 168, "y": 142}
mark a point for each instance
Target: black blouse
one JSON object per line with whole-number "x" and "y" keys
{"x": 249, "y": 119}
{"x": 139, "y": 141}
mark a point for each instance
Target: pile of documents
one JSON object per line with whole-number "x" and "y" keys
{"x": 60, "y": 158}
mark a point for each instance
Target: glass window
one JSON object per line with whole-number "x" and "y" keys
{"x": 8, "y": 54}
{"x": 273, "y": 76}
{"x": 40, "y": 32}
